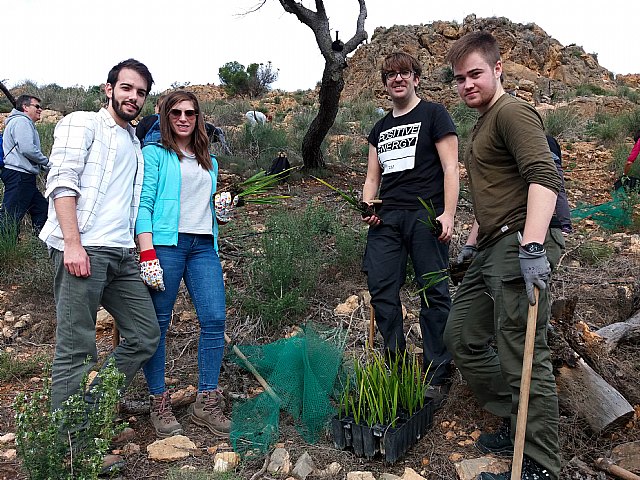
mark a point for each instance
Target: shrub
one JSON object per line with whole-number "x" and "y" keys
{"x": 24, "y": 260}
{"x": 254, "y": 81}
{"x": 45, "y": 131}
{"x": 594, "y": 253}
{"x": 562, "y": 122}
{"x": 629, "y": 93}
{"x": 12, "y": 367}
{"x": 589, "y": 90}
{"x": 43, "y": 449}
{"x": 606, "y": 128}
{"x": 287, "y": 268}
{"x": 465, "y": 118}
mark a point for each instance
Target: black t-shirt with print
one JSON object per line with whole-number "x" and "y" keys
{"x": 407, "y": 153}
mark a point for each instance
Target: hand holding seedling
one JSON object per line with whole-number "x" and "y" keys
{"x": 446, "y": 227}
{"x": 369, "y": 215}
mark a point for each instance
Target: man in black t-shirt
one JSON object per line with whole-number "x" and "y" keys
{"x": 413, "y": 155}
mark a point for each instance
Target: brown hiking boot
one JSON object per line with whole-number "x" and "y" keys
{"x": 208, "y": 411}
{"x": 162, "y": 417}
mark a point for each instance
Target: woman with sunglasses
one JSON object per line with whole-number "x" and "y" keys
{"x": 177, "y": 232}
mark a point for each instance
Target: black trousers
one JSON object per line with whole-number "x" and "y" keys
{"x": 401, "y": 235}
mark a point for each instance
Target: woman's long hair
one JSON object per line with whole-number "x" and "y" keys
{"x": 199, "y": 141}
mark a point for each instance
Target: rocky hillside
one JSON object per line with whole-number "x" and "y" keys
{"x": 537, "y": 67}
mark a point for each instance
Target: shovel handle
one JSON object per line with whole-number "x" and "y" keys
{"x": 525, "y": 385}
{"x": 252, "y": 369}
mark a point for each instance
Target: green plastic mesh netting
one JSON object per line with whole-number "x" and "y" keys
{"x": 614, "y": 215}
{"x": 302, "y": 371}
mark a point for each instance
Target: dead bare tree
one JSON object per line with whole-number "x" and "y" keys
{"x": 335, "y": 56}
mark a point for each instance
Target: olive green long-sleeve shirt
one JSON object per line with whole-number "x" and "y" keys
{"x": 507, "y": 152}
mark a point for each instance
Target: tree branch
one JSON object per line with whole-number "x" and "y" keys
{"x": 360, "y": 35}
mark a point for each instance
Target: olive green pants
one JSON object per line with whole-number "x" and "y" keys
{"x": 492, "y": 303}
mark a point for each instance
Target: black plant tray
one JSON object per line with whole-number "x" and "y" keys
{"x": 391, "y": 442}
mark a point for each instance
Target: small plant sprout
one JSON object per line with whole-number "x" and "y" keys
{"x": 351, "y": 197}
{"x": 432, "y": 222}
{"x": 431, "y": 279}
{"x": 254, "y": 189}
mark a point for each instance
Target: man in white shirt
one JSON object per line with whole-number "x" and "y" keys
{"x": 93, "y": 189}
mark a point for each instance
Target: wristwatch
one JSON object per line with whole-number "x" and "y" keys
{"x": 533, "y": 247}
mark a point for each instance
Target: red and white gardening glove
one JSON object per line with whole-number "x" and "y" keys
{"x": 224, "y": 206}
{"x": 150, "y": 270}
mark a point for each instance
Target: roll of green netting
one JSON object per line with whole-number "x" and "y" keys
{"x": 302, "y": 371}
{"x": 613, "y": 215}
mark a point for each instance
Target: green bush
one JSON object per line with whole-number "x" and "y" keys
{"x": 606, "y": 128}
{"x": 44, "y": 450}
{"x": 350, "y": 244}
{"x": 594, "y": 253}
{"x": 286, "y": 270}
{"x": 465, "y": 118}
{"x": 629, "y": 93}
{"x": 589, "y": 90}
{"x": 45, "y": 131}
{"x": 562, "y": 122}
{"x": 24, "y": 259}
{"x": 13, "y": 368}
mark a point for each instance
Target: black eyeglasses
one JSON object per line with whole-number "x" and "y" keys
{"x": 176, "y": 113}
{"x": 405, "y": 74}
{"x": 37, "y": 105}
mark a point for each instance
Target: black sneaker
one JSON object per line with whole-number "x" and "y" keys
{"x": 499, "y": 442}
{"x": 437, "y": 394}
{"x": 530, "y": 471}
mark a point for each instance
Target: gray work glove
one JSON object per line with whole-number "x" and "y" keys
{"x": 468, "y": 252}
{"x": 535, "y": 270}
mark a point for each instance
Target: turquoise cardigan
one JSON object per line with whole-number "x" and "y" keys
{"x": 159, "y": 211}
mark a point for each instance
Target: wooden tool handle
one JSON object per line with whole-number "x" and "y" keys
{"x": 525, "y": 384}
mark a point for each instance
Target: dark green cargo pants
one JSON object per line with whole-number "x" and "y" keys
{"x": 492, "y": 303}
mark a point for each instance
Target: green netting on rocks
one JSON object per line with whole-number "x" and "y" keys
{"x": 613, "y": 215}
{"x": 302, "y": 371}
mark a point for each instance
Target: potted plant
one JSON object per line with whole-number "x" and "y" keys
{"x": 382, "y": 407}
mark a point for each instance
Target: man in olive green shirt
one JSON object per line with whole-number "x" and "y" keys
{"x": 514, "y": 184}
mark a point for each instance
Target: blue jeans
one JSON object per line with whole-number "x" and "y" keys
{"x": 195, "y": 260}
{"x": 21, "y": 196}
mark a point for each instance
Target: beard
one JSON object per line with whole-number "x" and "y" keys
{"x": 127, "y": 117}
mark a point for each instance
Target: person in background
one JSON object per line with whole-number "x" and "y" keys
{"x": 94, "y": 190}
{"x": 177, "y": 230}
{"x": 633, "y": 154}
{"x": 514, "y": 184}
{"x": 146, "y": 123}
{"x": 562, "y": 216}
{"x": 413, "y": 153}
{"x": 23, "y": 161}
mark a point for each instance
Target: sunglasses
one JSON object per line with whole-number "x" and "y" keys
{"x": 176, "y": 113}
{"x": 37, "y": 105}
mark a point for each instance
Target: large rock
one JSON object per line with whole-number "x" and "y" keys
{"x": 171, "y": 449}
{"x": 279, "y": 463}
{"x": 471, "y": 468}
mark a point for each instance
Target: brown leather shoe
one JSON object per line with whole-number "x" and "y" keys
{"x": 162, "y": 417}
{"x": 208, "y": 411}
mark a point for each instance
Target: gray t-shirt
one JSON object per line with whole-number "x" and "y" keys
{"x": 195, "y": 198}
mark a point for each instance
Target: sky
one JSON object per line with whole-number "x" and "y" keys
{"x": 76, "y": 42}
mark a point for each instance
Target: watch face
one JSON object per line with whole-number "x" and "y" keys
{"x": 534, "y": 247}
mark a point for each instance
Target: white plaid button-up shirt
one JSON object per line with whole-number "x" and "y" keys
{"x": 82, "y": 159}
